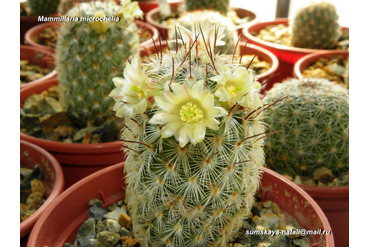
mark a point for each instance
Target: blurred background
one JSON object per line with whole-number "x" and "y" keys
{"x": 267, "y": 10}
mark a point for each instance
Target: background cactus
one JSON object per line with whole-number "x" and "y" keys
{"x": 66, "y": 5}
{"x": 87, "y": 53}
{"x": 194, "y": 135}
{"x": 316, "y": 26}
{"x": 314, "y": 120}
{"x": 43, "y": 7}
{"x": 217, "y": 5}
{"x": 189, "y": 19}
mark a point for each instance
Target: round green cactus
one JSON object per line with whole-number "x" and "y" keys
{"x": 87, "y": 53}
{"x": 194, "y": 134}
{"x": 314, "y": 127}
{"x": 316, "y": 26}
{"x": 217, "y": 5}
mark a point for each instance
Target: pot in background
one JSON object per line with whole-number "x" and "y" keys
{"x": 77, "y": 160}
{"x": 334, "y": 202}
{"x": 41, "y": 57}
{"x": 286, "y": 55}
{"x": 52, "y": 175}
{"x": 32, "y": 34}
{"x": 310, "y": 59}
{"x": 153, "y": 15}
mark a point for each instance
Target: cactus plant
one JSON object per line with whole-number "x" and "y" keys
{"x": 217, "y": 5}
{"x": 87, "y": 54}
{"x": 43, "y": 7}
{"x": 316, "y": 26}
{"x": 314, "y": 120}
{"x": 194, "y": 134}
{"x": 188, "y": 20}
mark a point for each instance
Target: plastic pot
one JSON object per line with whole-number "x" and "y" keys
{"x": 53, "y": 179}
{"x": 334, "y": 201}
{"x": 41, "y": 57}
{"x": 77, "y": 160}
{"x": 32, "y": 34}
{"x": 153, "y": 15}
{"x": 286, "y": 55}
{"x": 107, "y": 184}
{"x": 310, "y": 59}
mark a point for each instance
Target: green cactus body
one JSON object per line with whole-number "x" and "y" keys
{"x": 87, "y": 53}
{"x": 314, "y": 124}
{"x": 189, "y": 19}
{"x": 221, "y": 6}
{"x": 43, "y": 7}
{"x": 66, "y": 5}
{"x": 195, "y": 143}
{"x": 316, "y": 26}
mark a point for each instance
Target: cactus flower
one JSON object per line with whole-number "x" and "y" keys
{"x": 187, "y": 112}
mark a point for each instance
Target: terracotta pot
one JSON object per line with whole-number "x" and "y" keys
{"x": 310, "y": 59}
{"x": 334, "y": 201}
{"x": 32, "y": 34}
{"x": 41, "y": 57}
{"x": 153, "y": 15}
{"x": 107, "y": 184}
{"x": 53, "y": 179}
{"x": 77, "y": 160}
{"x": 286, "y": 55}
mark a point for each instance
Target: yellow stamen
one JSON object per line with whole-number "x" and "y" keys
{"x": 232, "y": 92}
{"x": 190, "y": 113}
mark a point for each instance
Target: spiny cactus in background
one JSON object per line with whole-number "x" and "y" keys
{"x": 221, "y": 6}
{"x": 194, "y": 133}
{"x": 316, "y": 26}
{"x": 43, "y": 7}
{"x": 87, "y": 53}
{"x": 189, "y": 19}
{"x": 314, "y": 120}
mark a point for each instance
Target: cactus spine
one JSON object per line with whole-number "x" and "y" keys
{"x": 314, "y": 120}
{"x": 87, "y": 53}
{"x": 194, "y": 134}
{"x": 217, "y": 5}
{"x": 316, "y": 26}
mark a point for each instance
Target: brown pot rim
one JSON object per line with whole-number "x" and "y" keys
{"x": 304, "y": 61}
{"x": 26, "y": 225}
{"x": 52, "y": 74}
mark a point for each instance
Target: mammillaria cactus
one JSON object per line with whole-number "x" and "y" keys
{"x": 217, "y": 5}
{"x": 194, "y": 134}
{"x": 189, "y": 19}
{"x": 43, "y": 7}
{"x": 314, "y": 120}
{"x": 88, "y": 52}
{"x": 316, "y": 26}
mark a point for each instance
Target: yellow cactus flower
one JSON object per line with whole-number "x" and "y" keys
{"x": 186, "y": 112}
{"x": 100, "y": 26}
{"x": 135, "y": 92}
{"x": 238, "y": 86}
